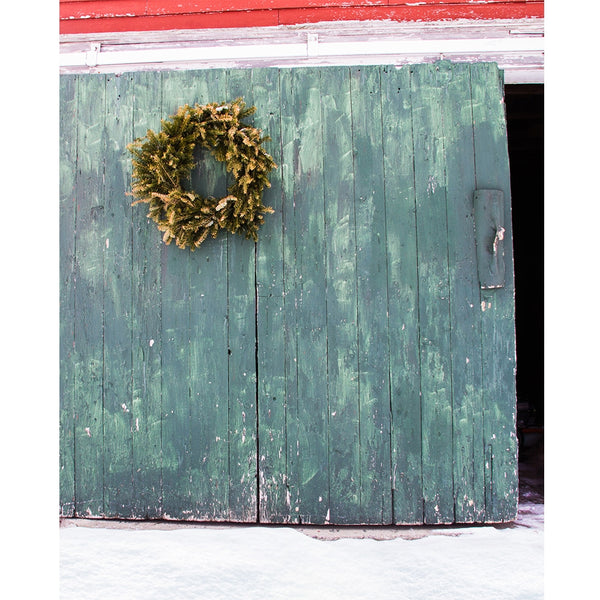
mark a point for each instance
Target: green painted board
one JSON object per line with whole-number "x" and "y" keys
{"x": 308, "y": 442}
{"x": 371, "y": 285}
{"x": 497, "y": 305}
{"x": 146, "y": 335}
{"x": 434, "y": 309}
{"x": 402, "y": 289}
{"x": 347, "y": 368}
{"x": 208, "y": 309}
{"x": 67, "y": 207}
{"x": 117, "y": 417}
{"x": 272, "y": 441}
{"x": 289, "y": 146}
{"x": 88, "y": 276}
{"x": 467, "y": 421}
{"x": 241, "y": 272}
{"x": 178, "y": 501}
{"x": 342, "y": 339}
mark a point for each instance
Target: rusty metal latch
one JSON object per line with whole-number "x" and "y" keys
{"x": 489, "y": 236}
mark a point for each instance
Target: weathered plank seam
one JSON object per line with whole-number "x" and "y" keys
{"x": 410, "y": 87}
{"x": 127, "y": 186}
{"x": 103, "y": 307}
{"x": 387, "y": 298}
{"x": 256, "y": 390}
{"x": 360, "y": 477}
{"x": 285, "y": 365}
{"x": 441, "y": 109}
{"x": 256, "y": 363}
{"x": 131, "y": 298}
{"x": 161, "y": 508}
{"x": 480, "y": 461}
{"x": 77, "y": 97}
{"x": 326, "y": 255}
{"x": 228, "y": 359}
{"x": 483, "y": 410}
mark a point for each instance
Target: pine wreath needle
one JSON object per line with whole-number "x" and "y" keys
{"x": 163, "y": 161}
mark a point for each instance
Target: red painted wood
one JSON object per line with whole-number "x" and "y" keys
{"x": 107, "y": 8}
{"x": 415, "y": 13}
{"x": 88, "y": 16}
{"x": 258, "y": 18}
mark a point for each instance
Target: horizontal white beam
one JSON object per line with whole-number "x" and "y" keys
{"x": 517, "y": 47}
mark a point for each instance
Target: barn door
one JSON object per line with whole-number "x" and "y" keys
{"x": 385, "y": 351}
{"x": 354, "y": 366}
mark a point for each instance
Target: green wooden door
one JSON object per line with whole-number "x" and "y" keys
{"x": 349, "y": 367}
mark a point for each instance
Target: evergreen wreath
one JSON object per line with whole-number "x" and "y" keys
{"x": 163, "y": 162}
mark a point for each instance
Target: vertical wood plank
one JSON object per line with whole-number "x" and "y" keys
{"x": 176, "y": 409}
{"x": 371, "y": 261}
{"x": 241, "y": 254}
{"x": 497, "y": 305}
{"x": 289, "y": 149}
{"x": 342, "y": 343}
{"x": 89, "y": 309}
{"x": 465, "y": 313}
{"x": 67, "y": 191}
{"x": 270, "y": 326}
{"x": 118, "y": 449}
{"x": 311, "y": 300}
{"x": 146, "y": 322}
{"x": 209, "y": 451}
{"x": 434, "y": 310}
{"x": 403, "y": 289}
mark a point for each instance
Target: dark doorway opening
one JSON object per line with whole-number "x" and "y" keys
{"x": 525, "y": 123}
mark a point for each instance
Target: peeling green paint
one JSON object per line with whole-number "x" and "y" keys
{"x": 341, "y": 370}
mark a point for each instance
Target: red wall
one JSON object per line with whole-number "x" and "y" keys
{"x": 91, "y": 16}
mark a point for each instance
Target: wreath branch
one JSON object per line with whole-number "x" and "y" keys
{"x": 162, "y": 161}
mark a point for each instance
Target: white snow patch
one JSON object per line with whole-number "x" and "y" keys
{"x": 271, "y": 563}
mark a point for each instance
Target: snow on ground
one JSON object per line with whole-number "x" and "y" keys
{"x": 257, "y": 562}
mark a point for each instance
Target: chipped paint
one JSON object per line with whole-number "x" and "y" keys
{"x": 288, "y": 424}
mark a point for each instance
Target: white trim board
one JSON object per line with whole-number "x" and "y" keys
{"x": 517, "y": 46}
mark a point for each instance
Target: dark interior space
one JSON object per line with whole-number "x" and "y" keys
{"x": 525, "y": 121}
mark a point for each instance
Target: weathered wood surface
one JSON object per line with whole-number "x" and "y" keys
{"x": 146, "y": 326}
{"x": 347, "y": 368}
{"x": 497, "y": 305}
{"x": 68, "y": 212}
